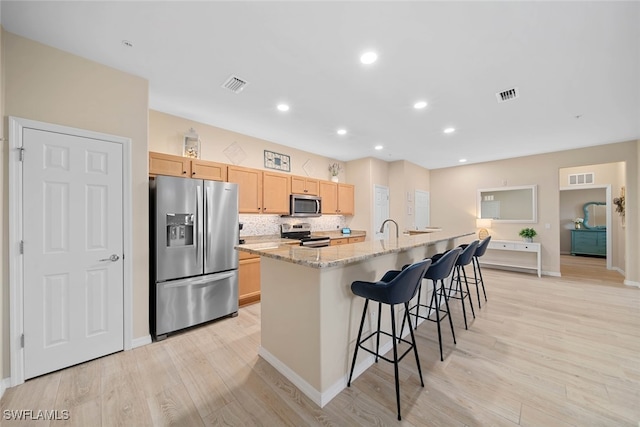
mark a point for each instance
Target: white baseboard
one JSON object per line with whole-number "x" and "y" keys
{"x": 618, "y": 269}
{"x": 139, "y": 342}
{"x": 5, "y": 383}
{"x": 551, "y": 273}
{"x": 632, "y": 283}
{"x": 318, "y": 397}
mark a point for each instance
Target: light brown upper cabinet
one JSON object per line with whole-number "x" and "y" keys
{"x": 303, "y": 185}
{"x": 249, "y": 188}
{"x": 203, "y": 169}
{"x": 261, "y": 191}
{"x": 167, "y": 164}
{"x": 276, "y": 188}
{"x": 337, "y": 198}
{"x": 346, "y": 203}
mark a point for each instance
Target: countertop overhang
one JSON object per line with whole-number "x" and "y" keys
{"x": 333, "y": 256}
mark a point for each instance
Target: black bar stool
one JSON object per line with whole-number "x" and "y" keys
{"x": 465, "y": 258}
{"x": 438, "y": 271}
{"x": 478, "y": 280}
{"x": 395, "y": 287}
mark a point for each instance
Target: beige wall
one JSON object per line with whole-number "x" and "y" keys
{"x": 166, "y": 133}
{"x": 365, "y": 174}
{"x": 453, "y": 195}
{"x": 49, "y": 85}
{"x": 405, "y": 178}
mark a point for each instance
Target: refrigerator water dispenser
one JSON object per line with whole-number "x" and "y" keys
{"x": 179, "y": 229}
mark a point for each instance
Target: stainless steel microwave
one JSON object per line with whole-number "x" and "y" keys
{"x": 301, "y": 205}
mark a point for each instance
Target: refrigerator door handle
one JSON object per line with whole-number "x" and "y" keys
{"x": 208, "y": 197}
{"x": 206, "y": 281}
{"x": 198, "y": 223}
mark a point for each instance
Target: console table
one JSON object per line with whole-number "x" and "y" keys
{"x": 508, "y": 257}
{"x": 589, "y": 242}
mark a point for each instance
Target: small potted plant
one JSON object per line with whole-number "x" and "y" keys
{"x": 334, "y": 170}
{"x": 528, "y": 234}
{"x": 578, "y": 223}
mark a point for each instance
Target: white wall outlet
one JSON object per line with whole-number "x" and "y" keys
{"x": 547, "y": 226}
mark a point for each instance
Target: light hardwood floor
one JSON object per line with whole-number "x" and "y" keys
{"x": 541, "y": 352}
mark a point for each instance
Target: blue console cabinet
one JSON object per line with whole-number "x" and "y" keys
{"x": 589, "y": 242}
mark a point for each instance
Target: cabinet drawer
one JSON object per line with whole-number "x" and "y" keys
{"x": 500, "y": 245}
{"x": 335, "y": 242}
{"x": 525, "y": 247}
{"x": 246, "y": 255}
{"x": 356, "y": 239}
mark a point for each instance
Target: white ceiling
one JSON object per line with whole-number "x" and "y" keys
{"x": 568, "y": 59}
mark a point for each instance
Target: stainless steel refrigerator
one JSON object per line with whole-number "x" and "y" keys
{"x": 193, "y": 266}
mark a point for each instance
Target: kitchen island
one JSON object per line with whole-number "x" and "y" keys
{"x": 309, "y": 316}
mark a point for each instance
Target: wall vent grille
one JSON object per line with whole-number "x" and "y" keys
{"x": 508, "y": 95}
{"x": 235, "y": 84}
{"x": 582, "y": 178}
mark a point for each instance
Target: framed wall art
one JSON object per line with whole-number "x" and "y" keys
{"x": 277, "y": 161}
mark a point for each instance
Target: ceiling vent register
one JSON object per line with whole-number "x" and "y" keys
{"x": 508, "y": 95}
{"x": 235, "y": 84}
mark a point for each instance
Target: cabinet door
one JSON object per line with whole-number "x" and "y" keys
{"x": 203, "y": 169}
{"x": 302, "y": 185}
{"x": 276, "y": 191}
{"x": 248, "y": 279}
{"x": 249, "y": 188}
{"x": 345, "y": 199}
{"x": 329, "y": 194}
{"x": 311, "y": 185}
{"x": 167, "y": 164}
{"x": 298, "y": 185}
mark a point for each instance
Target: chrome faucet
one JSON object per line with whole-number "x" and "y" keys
{"x": 390, "y": 220}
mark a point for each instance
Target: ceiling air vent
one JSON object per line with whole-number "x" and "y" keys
{"x": 508, "y": 95}
{"x": 235, "y": 84}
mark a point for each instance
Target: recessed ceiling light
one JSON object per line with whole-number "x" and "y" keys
{"x": 342, "y": 131}
{"x": 420, "y": 105}
{"x": 462, "y": 160}
{"x": 378, "y": 147}
{"x": 283, "y": 107}
{"x": 449, "y": 130}
{"x": 127, "y": 43}
{"x": 369, "y": 57}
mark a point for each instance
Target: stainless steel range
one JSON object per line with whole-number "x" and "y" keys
{"x": 302, "y": 232}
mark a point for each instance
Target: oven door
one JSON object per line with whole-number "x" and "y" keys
{"x": 315, "y": 242}
{"x": 305, "y": 206}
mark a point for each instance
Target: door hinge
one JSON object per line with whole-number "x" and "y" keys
{"x": 21, "y": 154}
{"x": 21, "y": 247}
{"x": 22, "y": 341}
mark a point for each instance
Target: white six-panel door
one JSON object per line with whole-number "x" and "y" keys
{"x": 73, "y": 248}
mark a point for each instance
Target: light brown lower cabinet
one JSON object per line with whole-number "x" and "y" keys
{"x": 248, "y": 279}
{"x": 346, "y": 240}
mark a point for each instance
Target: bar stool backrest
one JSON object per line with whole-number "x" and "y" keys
{"x": 405, "y": 285}
{"x": 482, "y": 247}
{"x": 400, "y": 289}
{"x": 467, "y": 254}
{"x": 441, "y": 269}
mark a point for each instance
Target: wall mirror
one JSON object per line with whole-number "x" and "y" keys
{"x": 508, "y": 204}
{"x": 595, "y": 215}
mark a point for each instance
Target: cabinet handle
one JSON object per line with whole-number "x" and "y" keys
{"x": 193, "y": 173}
{"x": 184, "y": 172}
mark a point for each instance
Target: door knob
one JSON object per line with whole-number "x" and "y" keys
{"x": 112, "y": 258}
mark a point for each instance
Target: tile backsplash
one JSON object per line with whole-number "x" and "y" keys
{"x": 259, "y": 225}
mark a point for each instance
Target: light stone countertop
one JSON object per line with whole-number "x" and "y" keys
{"x": 332, "y": 256}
